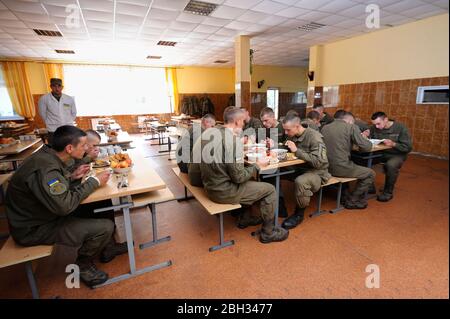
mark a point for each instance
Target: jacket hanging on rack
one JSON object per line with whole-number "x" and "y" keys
{"x": 206, "y": 105}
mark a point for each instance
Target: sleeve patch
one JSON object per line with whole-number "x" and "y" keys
{"x": 56, "y": 187}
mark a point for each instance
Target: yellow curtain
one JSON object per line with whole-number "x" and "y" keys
{"x": 19, "y": 91}
{"x": 53, "y": 70}
{"x": 171, "y": 78}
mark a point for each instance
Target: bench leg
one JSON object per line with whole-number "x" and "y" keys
{"x": 223, "y": 244}
{"x": 31, "y": 280}
{"x": 155, "y": 240}
{"x": 186, "y": 197}
{"x": 319, "y": 212}
{"x": 338, "y": 201}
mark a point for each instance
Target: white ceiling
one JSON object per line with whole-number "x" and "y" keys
{"x": 126, "y": 31}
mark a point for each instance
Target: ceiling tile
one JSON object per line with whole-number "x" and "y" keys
{"x": 312, "y": 4}
{"x": 273, "y": 20}
{"x": 192, "y": 18}
{"x": 247, "y": 4}
{"x": 206, "y": 29}
{"x": 238, "y": 25}
{"x": 183, "y": 26}
{"x": 162, "y": 14}
{"x": 292, "y": 12}
{"x": 174, "y": 5}
{"x": 135, "y": 10}
{"x": 225, "y": 12}
{"x": 216, "y": 21}
{"x": 253, "y": 16}
{"x": 24, "y": 6}
{"x": 270, "y": 7}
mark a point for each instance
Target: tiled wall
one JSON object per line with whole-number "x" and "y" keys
{"x": 427, "y": 123}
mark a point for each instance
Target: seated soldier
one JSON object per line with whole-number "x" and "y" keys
{"x": 308, "y": 145}
{"x": 340, "y": 136}
{"x": 92, "y": 150}
{"x": 312, "y": 120}
{"x": 188, "y": 140}
{"x": 42, "y": 200}
{"x": 277, "y": 138}
{"x": 397, "y": 136}
{"x": 325, "y": 118}
{"x": 227, "y": 181}
{"x": 251, "y": 127}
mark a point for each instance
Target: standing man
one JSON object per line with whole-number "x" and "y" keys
{"x": 340, "y": 137}
{"x": 308, "y": 145}
{"x": 325, "y": 118}
{"x": 397, "y": 136}
{"x": 227, "y": 181}
{"x": 42, "y": 200}
{"x": 56, "y": 108}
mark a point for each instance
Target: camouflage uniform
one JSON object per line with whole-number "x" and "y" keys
{"x": 227, "y": 181}
{"x": 40, "y": 203}
{"x": 310, "y": 123}
{"x": 326, "y": 119}
{"x": 252, "y": 127}
{"x": 339, "y": 138}
{"x": 393, "y": 158}
{"x": 311, "y": 149}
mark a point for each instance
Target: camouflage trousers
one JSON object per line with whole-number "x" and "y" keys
{"x": 365, "y": 176}
{"x": 305, "y": 186}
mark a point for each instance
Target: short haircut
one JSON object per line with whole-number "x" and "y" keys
{"x": 209, "y": 117}
{"x": 378, "y": 114}
{"x": 291, "y": 118}
{"x": 231, "y": 113}
{"x": 339, "y": 114}
{"x": 318, "y": 106}
{"x": 292, "y": 112}
{"x": 313, "y": 115}
{"x": 267, "y": 111}
{"x": 93, "y": 133}
{"x": 66, "y": 135}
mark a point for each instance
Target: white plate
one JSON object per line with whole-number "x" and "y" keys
{"x": 376, "y": 142}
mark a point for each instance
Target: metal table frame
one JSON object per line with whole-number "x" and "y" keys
{"x": 125, "y": 205}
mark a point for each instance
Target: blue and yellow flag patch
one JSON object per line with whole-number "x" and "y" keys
{"x": 56, "y": 187}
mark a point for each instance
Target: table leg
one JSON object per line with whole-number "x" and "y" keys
{"x": 31, "y": 280}
{"x": 155, "y": 240}
{"x": 129, "y": 236}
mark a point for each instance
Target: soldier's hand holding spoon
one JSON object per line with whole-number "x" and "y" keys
{"x": 292, "y": 146}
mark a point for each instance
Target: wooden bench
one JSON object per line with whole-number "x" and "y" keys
{"x": 211, "y": 207}
{"x": 150, "y": 200}
{"x": 332, "y": 181}
{"x": 13, "y": 254}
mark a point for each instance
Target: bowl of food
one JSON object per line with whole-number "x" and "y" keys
{"x": 279, "y": 153}
{"x": 258, "y": 149}
{"x": 263, "y": 160}
{"x": 253, "y": 157}
{"x": 376, "y": 141}
{"x": 121, "y": 163}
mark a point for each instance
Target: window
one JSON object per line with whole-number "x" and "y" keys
{"x": 6, "y": 108}
{"x": 299, "y": 98}
{"x": 272, "y": 100}
{"x": 432, "y": 94}
{"x": 113, "y": 90}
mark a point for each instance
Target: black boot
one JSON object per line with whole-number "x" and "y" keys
{"x": 282, "y": 211}
{"x": 271, "y": 233}
{"x": 90, "y": 275}
{"x": 294, "y": 220}
{"x": 112, "y": 250}
{"x": 387, "y": 194}
{"x": 372, "y": 189}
